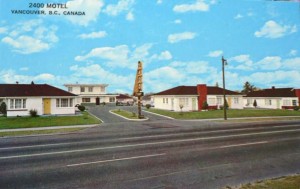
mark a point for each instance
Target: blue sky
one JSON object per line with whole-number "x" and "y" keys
{"x": 180, "y": 42}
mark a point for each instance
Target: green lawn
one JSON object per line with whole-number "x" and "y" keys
{"x": 290, "y": 182}
{"x": 46, "y": 121}
{"x": 129, "y": 115}
{"x": 230, "y": 113}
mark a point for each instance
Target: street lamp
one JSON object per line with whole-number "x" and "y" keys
{"x": 224, "y": 63}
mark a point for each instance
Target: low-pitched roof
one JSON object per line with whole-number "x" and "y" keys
{"x": 123, "y": 96}
{"x": 273, "y": 92}
{"x": 23, "y": 90}
{"x": 192, "y": 90}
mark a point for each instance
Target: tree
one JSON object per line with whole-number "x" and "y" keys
{"x": 247, "y": 88}
{"x": 255, "y": 103}
{"x": 204, "y": 105}
{"x": 3, "y": 109}
{"x": 217, "y": 84}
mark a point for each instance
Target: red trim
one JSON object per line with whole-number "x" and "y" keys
{"x": 202, "y": 95}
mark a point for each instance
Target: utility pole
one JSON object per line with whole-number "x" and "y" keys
{"x": 224, "y": 62}
{"x": 138, "y": 88}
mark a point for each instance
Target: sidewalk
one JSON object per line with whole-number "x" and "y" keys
{"x": 48, "y": 128}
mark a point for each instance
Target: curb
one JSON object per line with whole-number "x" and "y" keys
{"x": 48, "y": 128}
{"x": 158, "y": 114}
{"x": 110, "y": 111}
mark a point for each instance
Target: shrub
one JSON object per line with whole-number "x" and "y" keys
{"x": 296, "y": 108}
{"x": 3, "y": 109}
{"x": 204, "y": 105}
{"x": 33, "y": 113}
{"x": 255, "y": 103}
{"x": 81, "y": 108}
{"x": 148, "y": 106}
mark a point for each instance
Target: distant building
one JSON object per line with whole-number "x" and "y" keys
{"x": 91, "y": 93}
{"x": 46, "y": 99}
{"x": 193, "y": 97}
{"x": 273, "y": 98}
{"x": 123, "y": 99}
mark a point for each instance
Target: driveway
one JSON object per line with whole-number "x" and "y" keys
{"x": 102, "y": 112}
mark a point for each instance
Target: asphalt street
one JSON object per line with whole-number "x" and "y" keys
{"x": 158, "y": 153}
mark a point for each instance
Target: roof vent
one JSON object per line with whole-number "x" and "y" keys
{"x": 273, "y": 87}
{"x": 32, "y": 83}
{"x": 17, "y": 82}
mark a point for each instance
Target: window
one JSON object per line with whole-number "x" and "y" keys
{"x": 111, "y": 99}
{"x": 166, "y": 100}
{"x": 184, "y": 102}
{"x": 163, "y": 100}
{"x": 64, "y": 102}
{"x": 70, "y": 89}
{"x": 235, "y": 100}
{"x": 90, "y": 89}
{"x": 82, "y": 89}
{"x": 17, "y": 103}
{"x": 294, "y": 102}
{"x": 102, "y": 89}
{"x": 286, "y": 102}
{"x": 219, "y": 101}
{"x": 268, "y": 102}
{"x": 211, "y": 101}
{"x": 86, "y": 99}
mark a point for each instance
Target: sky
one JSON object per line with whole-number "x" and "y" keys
{"x": 180, "y": 42}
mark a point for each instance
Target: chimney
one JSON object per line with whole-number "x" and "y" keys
{"x": 202, "y": 95}
{"x": 32, "y": 83}
{"x": 17, "y": 82}
{"x": 273, "y": 87}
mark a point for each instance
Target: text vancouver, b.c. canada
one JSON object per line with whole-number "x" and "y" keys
{"x": 48, "y": 9}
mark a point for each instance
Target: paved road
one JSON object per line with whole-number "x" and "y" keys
{"x": 153, "y": 154}
{"x": 103, "y": 113}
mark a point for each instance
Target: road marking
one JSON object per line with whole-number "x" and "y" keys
{"x": 114, "y": 160}
{"x": 149, "y": 136}
{"x": 150, "y": 143}
{"x": 245, "y": 144}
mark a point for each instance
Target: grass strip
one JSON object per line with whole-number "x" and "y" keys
{"x": 127, "y": 114}
{"x": 47, "y": 121}
{"x": 230, "y": 113}
{"x": 290, "y": 182}
{"x": 40, "y": 132}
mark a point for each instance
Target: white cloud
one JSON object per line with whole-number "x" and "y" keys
{"x": 95, "y": 72}
{"x": 31, "y": 37}
{"x": 119, "y": 56}
{"x": 10, "y": 76}
{"x": 159, "y": 1}
{"x": 215, "y": 53}
{"x": 177, "y": 37}
{"x": 238, "y": 16}
{"x": 121, "y": 6}
{"x": 194, "y": 67}
{"x": 178, "y": 21}
{"x": 93, "y": 35}
{"x": 271, "y": 29}
{"x": 269, "y": 63}
{"x": 293, "y": 52}
{"x": 245, "y": 62}
{"x": 130, "y": 16}
{"x": 199, "y": 5}
{"x": 293, "y": 63}
{"x": 165, "y": 55}
{"x": 3, "y": 30}
{"x": 26, "y": 44}
{"x": 24, "y": 69}
{"x": 92, "y": 9}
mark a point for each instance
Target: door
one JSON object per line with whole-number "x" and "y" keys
{"x": 47, "y": 105}
{"x": 172, "y": 103}
{"x": 229, "y": 102}
{"x": 193, "y": 104}
{"x": 278, "y": 103}
{"x": 97, "y": 101}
